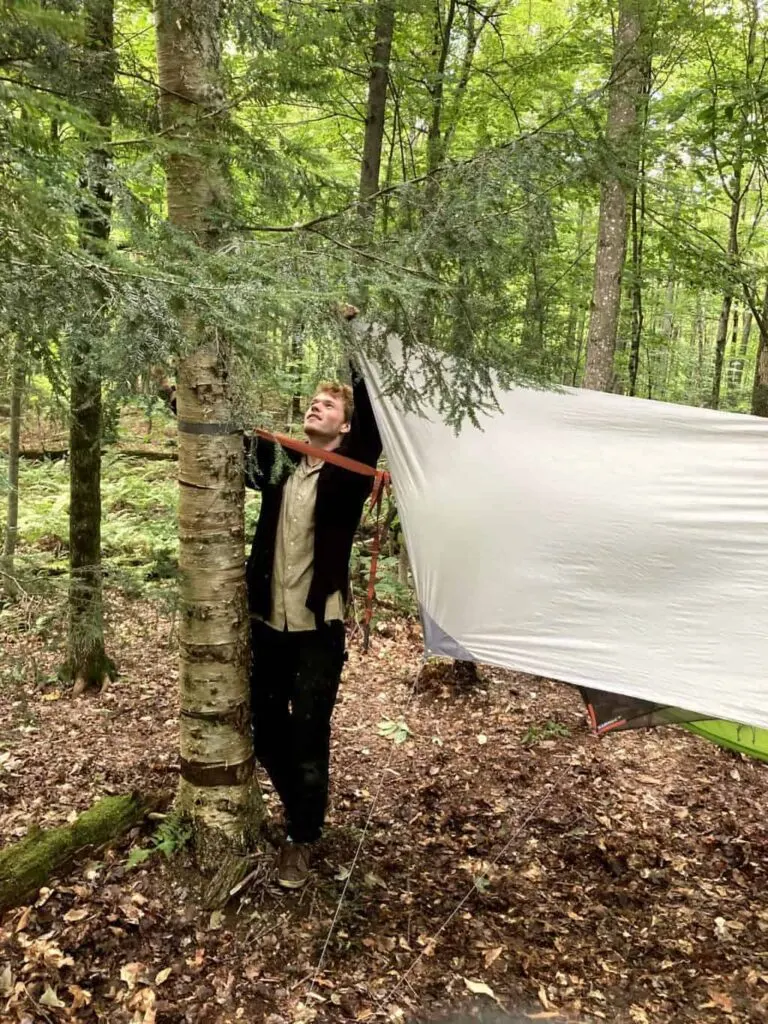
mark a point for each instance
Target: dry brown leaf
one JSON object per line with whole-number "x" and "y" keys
{"x": 722, "y": 1001}
{"x": 51, "y": 954}
{"x": 76, "y": 914}
{"x": 638, "y": 1014}
{"x": 490, "y": 956}
{"x": 129, "y": 973}
{"x": 80, "y": 996}
{"x": 6, "y": 980}
{"x": 162, "y": 976}
{"x": 23, "y": 921}
{"x": 479, "y": 988}
{"x": 533, "y": 872}
{"x": 51, "y": 1000}
{"x": 43, "y": 896}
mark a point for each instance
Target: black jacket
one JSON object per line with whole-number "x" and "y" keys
{"x": 341, "y": 495}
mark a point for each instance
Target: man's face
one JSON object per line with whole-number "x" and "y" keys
{"x": 324, "y": 420}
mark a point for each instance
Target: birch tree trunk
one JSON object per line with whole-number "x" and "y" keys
{"x": 622, "y": 143}
{"x": 12, "y": 513}
{"x": 88, "y": 664}
{"x": 217, "y": 790}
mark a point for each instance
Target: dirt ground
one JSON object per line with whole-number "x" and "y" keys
{"x": 501, "y": 857}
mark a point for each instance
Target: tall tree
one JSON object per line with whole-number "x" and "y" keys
{"x": 760, "y": 384}
{"x": 376, "y": 107}
{"x": 12, "y": 513}
{"x": 217, "y": 790}
{"x": 88, "y": 663}
{"x": 638, "y": 235}
{"x": 621, "y": 139}
{"x": 736, "y": 184}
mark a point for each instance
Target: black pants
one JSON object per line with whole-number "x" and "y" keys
{"x": 294, "y": 683}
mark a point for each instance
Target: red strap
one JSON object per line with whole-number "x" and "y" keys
{"x": 381, "y": 484}
{"x": 323, "y": 453}
{"x": 377, "y": 496}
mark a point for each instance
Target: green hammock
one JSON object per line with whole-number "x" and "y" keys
{"x": 745, "y": 739}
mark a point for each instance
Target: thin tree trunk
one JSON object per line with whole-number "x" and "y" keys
{"x": 217, "y": 789}
{"x": 442, "y": 46}
{"x": 370, "y": 166}
{"x": 741, "y": 355}
{"x": 403, "y": 564}
{"x": 637, "y": 290}
{"x": 721, "y": 339}
{"x": 580, "y": 327}
{"x": 297, "y": 355}
{"x": 88, "y": 664}
{"x": 12, "y": 515}
{"x": 573, "y": 297}
{"x": 621, "y": 138}
{"x": 733, "y": 358}
{"x": 638, "y": 236}
{"x": 760, "y": 386}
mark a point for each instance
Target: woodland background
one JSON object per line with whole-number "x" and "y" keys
{"x": 564, "y": 193}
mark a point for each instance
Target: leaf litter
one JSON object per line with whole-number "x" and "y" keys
{"x": 635, "y": 892}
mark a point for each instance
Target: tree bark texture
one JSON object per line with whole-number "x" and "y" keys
{"x": 376, "y": 108}
{"x": 216, "y": 790}
{"x": 620, "y": 176}
{"x": 760, "y": 386}
{"x": 637, "y": 292}
{"x": 88, "y": 663}
{"x": 12, "y": 513}
{"x": 638, "y": 234}
{"x": 721, "y": 338}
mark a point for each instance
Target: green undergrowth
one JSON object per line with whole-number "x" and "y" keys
{"x": 172, "y": 835}
{"x": 139, "y": 528}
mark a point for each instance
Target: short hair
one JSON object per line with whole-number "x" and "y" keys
{"x": 342, "y": 391}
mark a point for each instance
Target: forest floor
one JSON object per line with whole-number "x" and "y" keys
{"x": 500, "y": 846}
{"x": 500, "y": 856}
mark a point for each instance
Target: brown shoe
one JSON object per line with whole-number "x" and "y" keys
{"x": 293, "y": 865}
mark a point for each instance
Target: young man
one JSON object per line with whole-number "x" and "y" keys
{"x": 297, "y": 576}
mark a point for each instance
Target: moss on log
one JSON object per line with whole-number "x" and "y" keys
{"x": 28, "y": 864}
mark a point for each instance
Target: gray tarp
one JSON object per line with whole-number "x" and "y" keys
{"x": 609, "y": 542}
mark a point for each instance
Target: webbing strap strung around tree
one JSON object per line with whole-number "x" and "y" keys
{"x": 381, "y": 485}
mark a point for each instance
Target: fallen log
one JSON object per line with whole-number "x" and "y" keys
{"x": 28, "y": 864}
{"x": 57, "y": 454}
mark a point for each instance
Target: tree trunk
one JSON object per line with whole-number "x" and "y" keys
{"x": 12, "y": 516}
{"x": 88, "y": 664}
{"x": 217, "y": 790}
{"x": 621, "y": 138}
{"x": 297, "y": 355}
{"x": 760, "y": 386}
{"x": 733, "y": 358}
{"x": 638, "y": 235}
{"x": 442, "y": 29}
{"x": 573, "y": 296}
{"x": 370, "y": 166}
{"x": 721, "y": 339}
{"x": 636, "y": 290}
{"x": 737, "y": 369}
{"x": 403, "y": 564}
